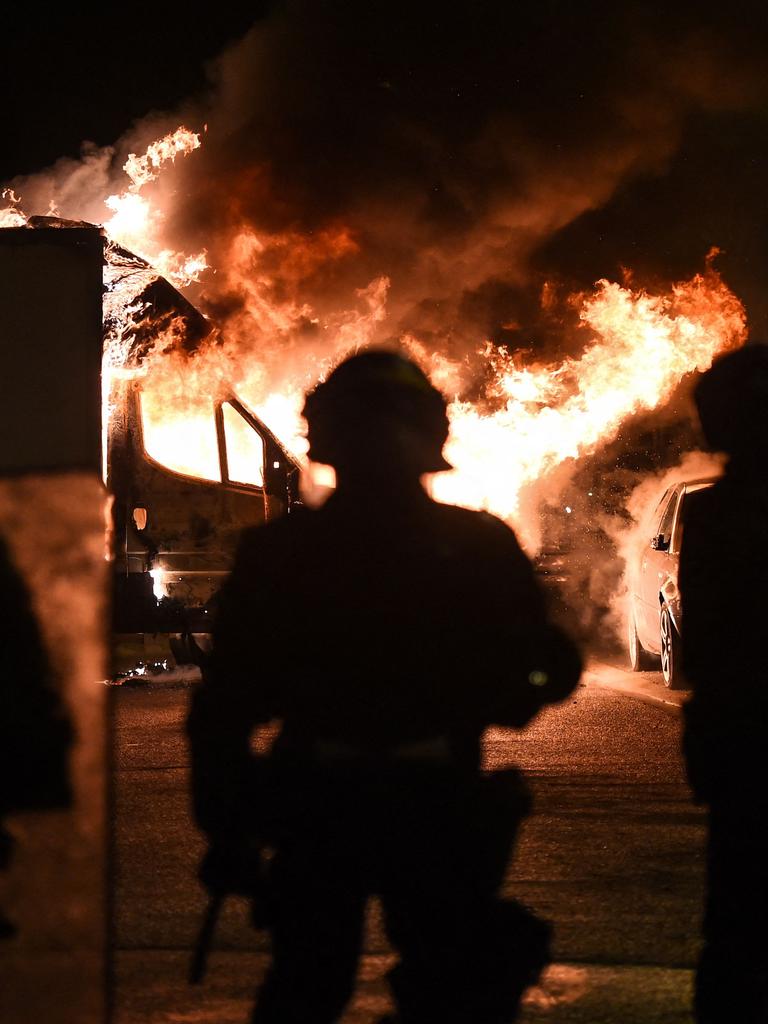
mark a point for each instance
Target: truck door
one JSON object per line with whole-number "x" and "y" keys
{"x": 184, "y": 490}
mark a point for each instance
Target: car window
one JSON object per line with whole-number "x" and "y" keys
{"x": 667, "y": 522}
{"x": 678, "y": 534}
{"x": 660, "y": 511}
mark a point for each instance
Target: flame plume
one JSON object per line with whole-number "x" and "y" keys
{"x": 639, "y": 348}
{"x": 134, "y": 220}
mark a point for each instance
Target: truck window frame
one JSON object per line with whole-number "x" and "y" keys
{"x": 218, "y": 416}
{"x": 221, "y": 435}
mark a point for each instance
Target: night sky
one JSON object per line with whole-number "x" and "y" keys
{"x": 636, "y": 134}
{"x": 71, "y": 75}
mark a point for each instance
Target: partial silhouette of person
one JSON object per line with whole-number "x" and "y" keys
{"x": 724, "y": 590}
{"x": 384, "y": 632}
{"x": 35, "y": 732}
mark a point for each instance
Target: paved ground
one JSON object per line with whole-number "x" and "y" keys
{"x": 612, "y": 855}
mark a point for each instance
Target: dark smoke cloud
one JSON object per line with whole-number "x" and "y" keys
{"x": 77, "y": 72}
{"x": 472, "y": 151}
{"x": 482, "y": 156}
{"x": 469, "y": 152}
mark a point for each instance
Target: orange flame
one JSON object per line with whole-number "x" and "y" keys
{"x": 11, "y": 216}
{"x": 640, "y": 347}
{"x": 135, "y": 218}
{"x": 145, "y": 168}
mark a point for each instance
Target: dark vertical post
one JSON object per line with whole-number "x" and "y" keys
{"x": 53, "y": 517}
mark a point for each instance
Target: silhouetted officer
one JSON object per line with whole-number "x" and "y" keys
{"x": 35, "y": 733}
{"x": 385, "y": 632}
{"x": 724, "y": 589}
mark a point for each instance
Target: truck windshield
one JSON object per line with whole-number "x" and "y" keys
{"x": 181, "y": 436}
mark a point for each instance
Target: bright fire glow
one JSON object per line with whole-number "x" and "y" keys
{"x": 159, "y": 588}
{"x": 131, "y": 218}
{"x": 185, "y": 441}
{"x": 639, "y": 347}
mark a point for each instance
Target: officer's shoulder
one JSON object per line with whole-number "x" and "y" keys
{"x": 268, "y": 537}
{"x": 481, "y": 527}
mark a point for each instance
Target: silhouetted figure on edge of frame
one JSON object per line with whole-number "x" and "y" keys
{"x": 724, "y": 592}
{"x": 385, "y": 631}
{"x": 35, "y": 732}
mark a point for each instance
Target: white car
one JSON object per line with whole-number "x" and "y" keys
{"x": 655, "y": 615}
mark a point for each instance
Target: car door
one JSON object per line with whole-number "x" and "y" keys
{"x": 657, "y": 567}
{"x": 639, "y": 584}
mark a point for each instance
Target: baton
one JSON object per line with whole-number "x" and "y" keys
{"x": 202, "y": 948}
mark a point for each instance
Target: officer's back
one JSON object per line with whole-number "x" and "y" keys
{"x": 723, "y": 581}
{"x": 385, "y": 632}
{"x": 383, "y": 617}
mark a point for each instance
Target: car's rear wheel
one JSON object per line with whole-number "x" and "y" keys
{"x": 670, "y": 651}
{"x": 639, "y": 659}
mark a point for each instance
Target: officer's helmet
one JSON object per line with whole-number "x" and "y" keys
{"x": 377, "y": 406}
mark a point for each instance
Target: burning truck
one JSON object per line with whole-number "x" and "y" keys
{"x": 177, "y": 509}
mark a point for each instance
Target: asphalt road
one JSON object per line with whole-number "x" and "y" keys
{"x": 612, "y": 855}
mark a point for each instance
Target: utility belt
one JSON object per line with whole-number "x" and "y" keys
{"x": 330, "y": 786}
{"x": 330, "y": 771}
